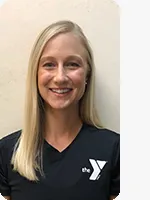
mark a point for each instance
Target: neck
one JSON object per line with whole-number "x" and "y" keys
{"x": 62, "y": 123}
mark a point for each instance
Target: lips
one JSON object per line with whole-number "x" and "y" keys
{"x": 60, "y": 90}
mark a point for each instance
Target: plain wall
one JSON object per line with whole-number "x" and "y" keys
{"x": 20, "y": 23}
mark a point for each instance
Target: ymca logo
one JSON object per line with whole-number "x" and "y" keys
{"x": 1, "y": 197}
{"x": 97, "y": 166}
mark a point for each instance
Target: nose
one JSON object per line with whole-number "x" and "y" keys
{"x": 60, "y": 76}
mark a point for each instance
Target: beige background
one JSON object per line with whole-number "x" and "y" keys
{"x": 20, "y": 23}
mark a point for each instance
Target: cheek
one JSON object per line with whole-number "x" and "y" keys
{"x": 43, "y": 78}
{"x": 79, "y": 78}
{"x": 79, "y": 81}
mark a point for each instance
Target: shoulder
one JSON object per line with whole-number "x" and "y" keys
{"x": 102, "y": 134}
{"x": 101, "y": 142}
{"x": 8, "y": 142}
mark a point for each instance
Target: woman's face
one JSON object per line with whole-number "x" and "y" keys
{"x": 62, "y": 71}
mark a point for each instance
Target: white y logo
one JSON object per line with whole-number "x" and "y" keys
{"x": 97, "y": 167}
{"x": 1, "y": 197}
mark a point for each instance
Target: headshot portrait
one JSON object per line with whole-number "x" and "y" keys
{"x": 59, "y": 100}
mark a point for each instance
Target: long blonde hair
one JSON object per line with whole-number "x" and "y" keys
{"x": 27, "y": 155}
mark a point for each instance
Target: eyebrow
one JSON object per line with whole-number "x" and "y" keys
{"x": 44, "y": 58}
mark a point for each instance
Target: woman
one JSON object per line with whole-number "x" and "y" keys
{"x": 62, "y": 152}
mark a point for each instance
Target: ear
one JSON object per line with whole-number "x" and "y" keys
{"x": 86, "y": 80}
{"x": 88, "y": 74}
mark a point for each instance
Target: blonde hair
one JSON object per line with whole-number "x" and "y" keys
{"x": 27, "y": 155}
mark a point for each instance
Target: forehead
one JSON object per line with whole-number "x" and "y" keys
{"x": 64, "y": 44}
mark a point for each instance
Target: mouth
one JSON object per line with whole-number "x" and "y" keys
{"x": 60, "y": 91}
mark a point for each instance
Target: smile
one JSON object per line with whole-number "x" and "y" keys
{"x": 61, "y": 91}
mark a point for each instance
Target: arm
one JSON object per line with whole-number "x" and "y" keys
{"x": 4, "y": 187}
{"x": 115, "y": 173}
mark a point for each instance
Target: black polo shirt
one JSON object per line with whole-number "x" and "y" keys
{"x": 88, "y": 169}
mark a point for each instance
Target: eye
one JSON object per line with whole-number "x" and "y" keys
{"x": 49, "y": 64}
{"x": 73, "y": 64}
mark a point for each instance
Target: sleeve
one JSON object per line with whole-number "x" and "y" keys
{"x": 115, "y": 172}
{"x": 4, "y": 186}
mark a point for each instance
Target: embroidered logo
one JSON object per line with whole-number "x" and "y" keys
{"x": 97, "y": 166}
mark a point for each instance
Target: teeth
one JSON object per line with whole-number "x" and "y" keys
{"x": 60, "y": 91}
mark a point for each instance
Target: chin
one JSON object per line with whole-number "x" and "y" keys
{"x": 60, "y": 106}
